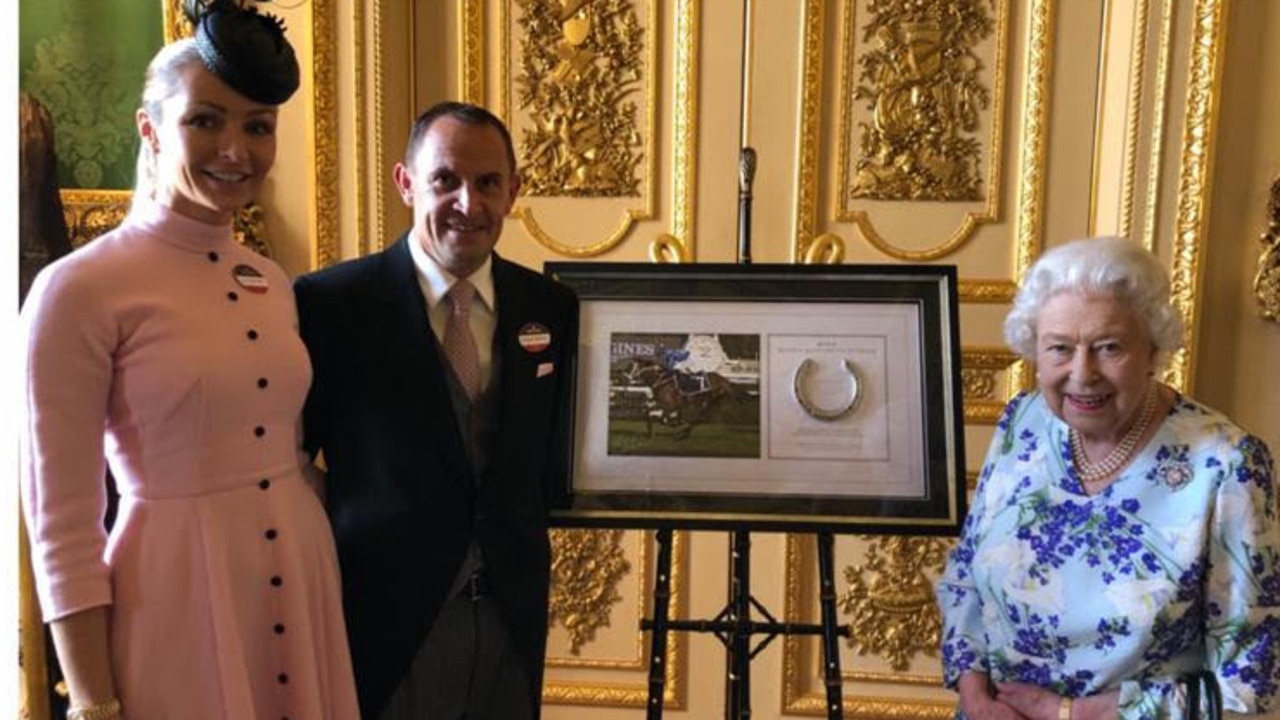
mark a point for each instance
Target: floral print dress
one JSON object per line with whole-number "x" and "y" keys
{"x": 1173, "y": 568}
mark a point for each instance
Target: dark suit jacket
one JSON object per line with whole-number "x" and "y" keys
{"x": 400, "y": 491}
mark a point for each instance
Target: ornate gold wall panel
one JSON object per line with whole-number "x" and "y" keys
{"x": 1266, "y": 283}
{"x": 913, "y": 39}
{"x": 984, "y": 394}
{"x": 587, "y": 566}
{"x": 552, "y": 52}
{"x": 888, "y": 599}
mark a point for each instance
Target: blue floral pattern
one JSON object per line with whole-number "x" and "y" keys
{"x": 1172, "y": 568}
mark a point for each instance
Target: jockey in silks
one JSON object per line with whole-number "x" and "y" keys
{"x": 687, "y": 382}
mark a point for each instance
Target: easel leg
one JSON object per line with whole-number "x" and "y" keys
{"x": 830, "y": 646}
{"x": 738, "y": 683}
{"x": 661, "y": 614}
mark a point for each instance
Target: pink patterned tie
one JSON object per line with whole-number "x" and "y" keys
{"x": 459, "y": 345}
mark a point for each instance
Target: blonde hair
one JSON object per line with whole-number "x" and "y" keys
{"x": 164, "y": 76}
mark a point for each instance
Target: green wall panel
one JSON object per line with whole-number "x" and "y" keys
{"x": 85, "y": 60}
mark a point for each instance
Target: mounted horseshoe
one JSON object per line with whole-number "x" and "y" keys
{"x": 825, "y": 414}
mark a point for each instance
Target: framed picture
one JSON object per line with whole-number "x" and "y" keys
{"x": 769, "y": 397}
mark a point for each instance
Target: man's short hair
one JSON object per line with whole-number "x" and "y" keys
{"x": 465, "y": 113}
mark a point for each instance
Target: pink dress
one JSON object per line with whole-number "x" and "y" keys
{"x": 170, "y": 353}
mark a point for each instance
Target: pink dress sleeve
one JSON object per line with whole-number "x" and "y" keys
{"x": 68, "y": 338}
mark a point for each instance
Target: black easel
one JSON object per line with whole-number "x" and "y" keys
{"x": 733, "y": 625}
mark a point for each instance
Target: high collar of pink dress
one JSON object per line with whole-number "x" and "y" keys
{"x": 179, "y": 230}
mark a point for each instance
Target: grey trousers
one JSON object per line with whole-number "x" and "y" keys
{"x": 466, "y": 669}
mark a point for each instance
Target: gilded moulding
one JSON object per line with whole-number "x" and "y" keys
{"x": 471, "y": 67}
{"x": 360, "y": 71}
{"x": 375, "y": 241}
{"x": 987, "y": 292}
{"x": 1266, "y": 284}
{"x": 90, "y": 213}
{"x": 323, "y": 133}
{"x": 634, "y": 694}
{"x": 826, "y": 249}
{"x": 32, "y": 658}
{"x": 1161, "y": 99}
{"x": 1199, "y": 131}
{"x": 811, "y": 90}
{"x": 586, "y": 567}
{"x": 889, "y": 600}
{"x": 979, "y": 369}
{"x": 1137, "y": 76}
{"x": 1035, "y": 135}
{"x": 799, "y": 670}
{"x": 569, "y": 30}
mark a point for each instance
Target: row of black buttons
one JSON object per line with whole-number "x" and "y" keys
{"x": 259, "y": 431}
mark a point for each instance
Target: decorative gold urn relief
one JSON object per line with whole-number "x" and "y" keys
{"x": 580, "y": 75}
{"x": 579, "y": 89}
{"x": 585, "y": 569}
{"x": 588, "y": 567}
{"x": 921, "y": 83}
{"x": 889, "y": 599}
{"x": 920, "y": 95}
{"x": 1266, "y": 284}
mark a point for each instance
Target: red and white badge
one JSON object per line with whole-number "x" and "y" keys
{"x": 250, "y": 279}
{"x": 534, "y": 338}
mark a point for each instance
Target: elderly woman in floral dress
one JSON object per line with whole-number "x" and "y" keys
{"x": 1122, "y": 535}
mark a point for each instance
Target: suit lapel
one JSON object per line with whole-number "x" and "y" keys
{"x": 418, "y": 366}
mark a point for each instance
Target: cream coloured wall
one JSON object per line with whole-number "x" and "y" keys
{"x": 1239, "y": 352}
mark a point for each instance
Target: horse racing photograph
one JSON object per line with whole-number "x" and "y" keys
{"x": 684, "y": 394}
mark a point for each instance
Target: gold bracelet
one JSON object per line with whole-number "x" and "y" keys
{"x": 102, "y": 711}
{"x": 1064, "y": 709}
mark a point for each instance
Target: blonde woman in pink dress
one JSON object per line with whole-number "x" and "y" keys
{"x": 168, "y": 353}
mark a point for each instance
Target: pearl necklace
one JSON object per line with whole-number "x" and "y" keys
{"x": 1091, "y": 472}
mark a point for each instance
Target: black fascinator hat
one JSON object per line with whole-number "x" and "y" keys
{"x": 245, "y": 49}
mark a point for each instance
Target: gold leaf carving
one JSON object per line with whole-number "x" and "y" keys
{"x": 891, "y": 602}
{"x": 826, "y": 249}
{"x": 1266, "y": 284}
{"x": 978, "y": 375}
{"x": 1193, "y": 176}
{"x": 922, "y": 86}
{"x": 580, "y": 66}
{"x": 325, "y": 199}
{"x": 90, "y": 213}
{"x": 586, "y": 567}
{"x": 978, "y": 384}
{"x": 667, "y": 248}
{"x": 175, "y": 22}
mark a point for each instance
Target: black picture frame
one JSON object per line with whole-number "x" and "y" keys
{"x": 851, "y": 372}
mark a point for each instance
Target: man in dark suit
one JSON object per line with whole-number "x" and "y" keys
{"x": 440, "y": 400}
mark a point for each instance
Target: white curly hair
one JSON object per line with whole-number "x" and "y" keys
{"x": 1097, "y": 266}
